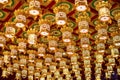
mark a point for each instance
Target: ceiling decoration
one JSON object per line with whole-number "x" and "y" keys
{"x": 59, "y": 39}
